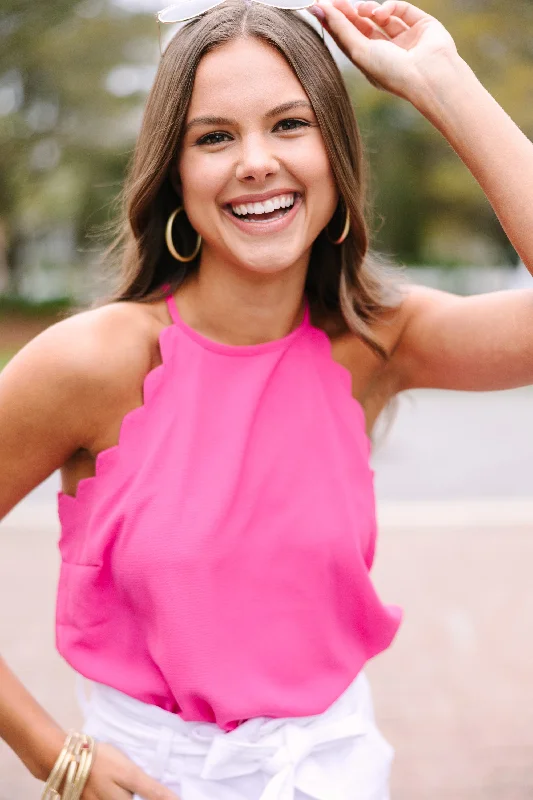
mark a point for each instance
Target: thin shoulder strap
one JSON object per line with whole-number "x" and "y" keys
{"x": 171, "y": 303}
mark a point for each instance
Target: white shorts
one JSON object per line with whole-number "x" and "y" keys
{"x": 336, "y": 755}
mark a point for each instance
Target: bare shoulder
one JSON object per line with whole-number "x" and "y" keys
{"x": 416, "y": 300}
{"x": 91, "y": 349}
{"x": 61, "y": 392}
{"x": 116, "y": 331}
{"x": 464, "y": 343}
{"x": 420, "y": 346}
{"x": 386, "y": 332}
{"x": 390, "y": 330}
{"x": 394, "y": 332}
{"x": 65, "y": 381}
{"x": 375, "y": 377}
{"x": 112, "y": 344}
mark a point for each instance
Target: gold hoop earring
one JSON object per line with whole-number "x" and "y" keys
{"x": 344, "y": 233}
{"x": 170, "y": 243}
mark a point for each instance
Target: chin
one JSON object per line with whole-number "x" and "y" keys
{"x": 271, "y": 266}
{"x": 269, "y": 260}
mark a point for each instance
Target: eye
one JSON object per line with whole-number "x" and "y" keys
{"x": 217, "y": 137}
{"x": 299, "y": 123}
{"x": 210, "y": 138}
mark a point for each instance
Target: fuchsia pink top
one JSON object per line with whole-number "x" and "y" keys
{"x": 217, "y": 564}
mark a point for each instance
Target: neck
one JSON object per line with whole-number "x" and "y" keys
{"x": 242, "y": 310}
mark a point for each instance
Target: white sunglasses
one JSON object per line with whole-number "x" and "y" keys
{"x": 188, "y": 9}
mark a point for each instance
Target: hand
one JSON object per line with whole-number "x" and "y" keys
{"x": 395, "y": 45}
{"x": 114, "y": 776}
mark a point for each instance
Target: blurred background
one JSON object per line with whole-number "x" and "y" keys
{"x": 453, "y": 470}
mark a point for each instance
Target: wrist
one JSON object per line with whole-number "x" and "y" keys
{"x": 44, "y": 752}
{"x": 441, "y": 83}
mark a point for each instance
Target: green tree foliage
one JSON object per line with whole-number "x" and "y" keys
{"x": 65, "y": 137}
{"x": 71, "y": 101}
{"x": 427, "y": 206}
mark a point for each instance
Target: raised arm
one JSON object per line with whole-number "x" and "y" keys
{"x": 409, "y": 53}
{"x": 476, "y": 343}
{"x": 497, "y": 153}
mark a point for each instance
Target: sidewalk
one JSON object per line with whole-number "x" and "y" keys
{"x": 454, "y": 694}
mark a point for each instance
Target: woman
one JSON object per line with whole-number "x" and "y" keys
{"x": 211, "y": 421}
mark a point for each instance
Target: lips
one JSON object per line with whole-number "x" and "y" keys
{"x": 261, "y": 227}
{"x": 244, "y": 199}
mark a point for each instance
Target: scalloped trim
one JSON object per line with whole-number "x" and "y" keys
{"x": 106, "y": 459}
{"x": 346, "y": 379}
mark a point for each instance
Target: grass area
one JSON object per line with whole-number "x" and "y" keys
{"x": 5, "y": 356}
{"x": 32, "y": 309}
{"x": 21, "y": 321}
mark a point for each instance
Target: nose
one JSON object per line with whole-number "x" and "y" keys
{"x": 256, "y": 160}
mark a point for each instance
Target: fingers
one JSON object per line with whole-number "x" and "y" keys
{"x": 367, "y": 26}
{"x": 364, "y": 26}
{"x": 115, "y": 793}
{"x": 116, "y": 777}
{"x": 406, "y": 12}
{"x": 365, "y": 18}
{"x": 390, "y": 23}
{"x": 347, "y": 35}
{"x": 381, "y": 15}
{"x": 149, "y": 789}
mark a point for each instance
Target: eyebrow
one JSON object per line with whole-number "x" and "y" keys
{"x": 274, "y": 112}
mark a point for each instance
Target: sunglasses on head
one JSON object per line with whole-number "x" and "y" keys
{"x": 188, "y": 9}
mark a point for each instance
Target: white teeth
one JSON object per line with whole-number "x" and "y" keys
{"x": 273, "y": 203}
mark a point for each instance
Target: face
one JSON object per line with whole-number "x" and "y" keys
{"x": 254, "y": 150}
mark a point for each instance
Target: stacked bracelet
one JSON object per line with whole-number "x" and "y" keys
{"x": 72, "y": 767}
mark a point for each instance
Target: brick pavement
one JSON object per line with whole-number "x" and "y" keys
{"x": 454, "y": 694}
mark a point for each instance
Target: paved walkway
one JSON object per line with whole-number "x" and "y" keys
{"x": 454, "y": 694}
{"x": 443, "y": 446}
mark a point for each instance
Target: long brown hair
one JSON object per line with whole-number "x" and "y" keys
{"x": 347, "y": 287}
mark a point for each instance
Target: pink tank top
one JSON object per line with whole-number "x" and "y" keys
{"x": 217, "y": 565}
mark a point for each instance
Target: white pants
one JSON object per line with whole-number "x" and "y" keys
{"x": 336, "y": 755}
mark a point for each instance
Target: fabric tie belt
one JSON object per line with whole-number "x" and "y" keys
{"x": 289, "y": 756}
{"x": 336, "y": 755}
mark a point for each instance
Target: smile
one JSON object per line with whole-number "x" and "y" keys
{"x": 270, "y": 216}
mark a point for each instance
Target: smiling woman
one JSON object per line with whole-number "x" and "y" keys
{"x": 297, "y": 128}
{"x": 211, "y": 419}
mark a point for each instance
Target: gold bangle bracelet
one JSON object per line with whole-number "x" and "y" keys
{"x": 70, "y": 778}
{"x": 77, "y": 786}
{"x": 58, "y": 770}
{"x": 62, "y": 762}
{"x": 84, "y": 769}
{"x": 68, "y": 788}
{"x": 66, "y": 794}
{"x": 78, "y": 777}
{"x": 84, "y": 776}
{"x": 71, "y": 767}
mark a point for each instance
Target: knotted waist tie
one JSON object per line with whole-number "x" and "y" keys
{"x": 309, "y": 754}
{"x": 285, "y": 755}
